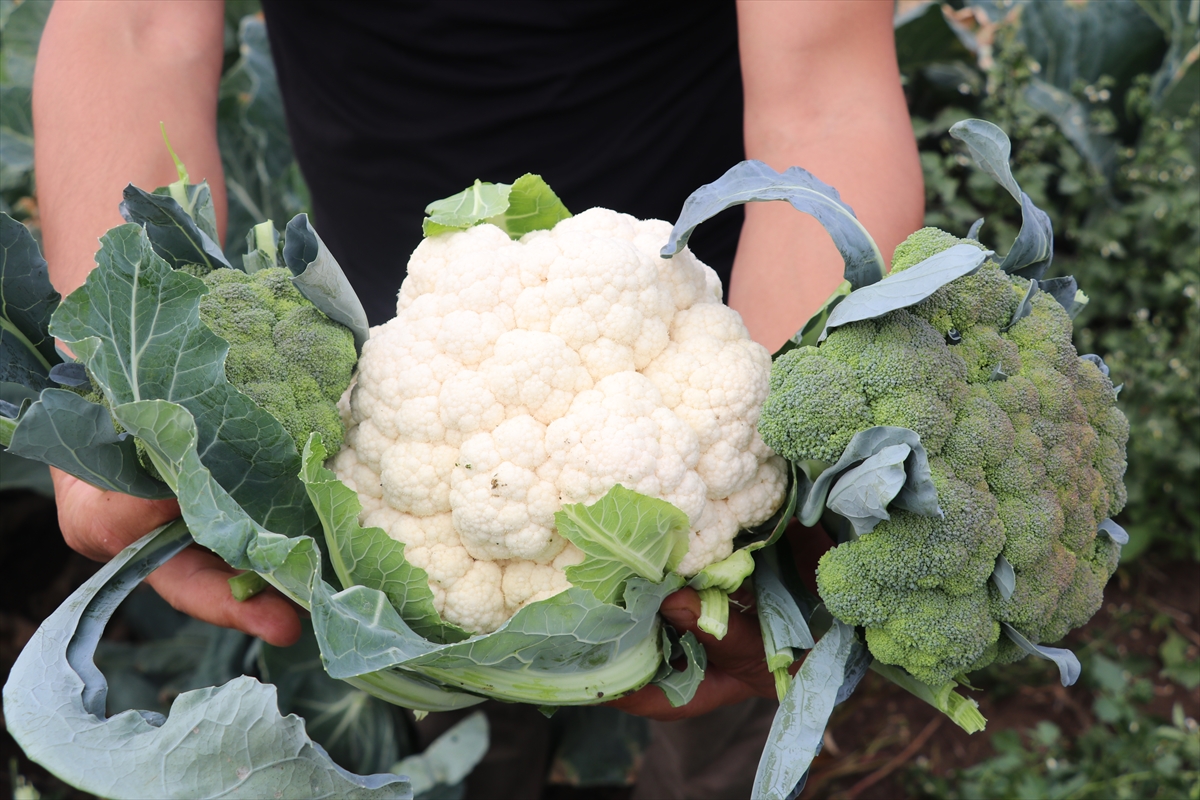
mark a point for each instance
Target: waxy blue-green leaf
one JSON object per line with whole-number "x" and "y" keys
{"x": 810, "y": 332}
{"x": 1033, "y": 249}
{"x": 799, "y": 725}
{"x": 136, "y": 325}
{"x": 907, "y": 287}
{"x": 1004, "y": 577}
{"x": 368, "y": 556}
{"x": 450, "y": 758}
{"x": 26, "y": 302}
{"x": 1068, "y": 664}
{"x": 319, "y": 278}
{"x": 754, "y": 181}
{"x": 782, "y": 622}
{"x": 1025, "y": 307}
{"x": 66, "y": 431}
{"x": 623, "y": 534}
{"x": 918, "y": 494}
{"x": 1113, "y": 531}
{"x": 680, "y": 685}
{"x": 54, "y": 707}
{"x": 195, "y": 199}
{"x": 1062, "y": 289}
{"x": 862, "y": 493}
{"x": 175, "y": 235}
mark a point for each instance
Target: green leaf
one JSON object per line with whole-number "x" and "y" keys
{"x": 532, "y": 206}
{"x": 66, "y": 431}
{"x": 621, "y": 535}
{"x": 1071, "y": 117}
{"x": 471, "y": 206}
{"x": 1114, "y": 531}
{"x": 799, "y": 725}
{"x": 680, "y": 685}
{"x": 907, "y": 287}
{"x": 1033, "y": 250}
{"x": 714, "y": 612}
{"x": 26, "y": 302}
{"x": 22, "y": 35}
{"x": 55, "y": 695}
{"x": 318, "y": 277}
{"x": 175, "y": 235}
{"x": 368, "y": 556}
{"x": 1004, "y": 577}
{"x": 136, "y": 325}
{"x": 754, "y": 181}
{"x": 450, "y": 758}
{"x": 727, "y": 574}
{"x": 925, "y": 36}
{"x": 782, "y": 622}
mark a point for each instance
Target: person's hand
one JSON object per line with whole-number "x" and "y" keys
{"x": 99, "y": 524}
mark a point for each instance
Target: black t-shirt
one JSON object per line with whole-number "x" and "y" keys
{"x": 626, "y": 104}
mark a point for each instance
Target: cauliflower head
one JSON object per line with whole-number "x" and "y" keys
{"x": 519, "y": 376}
{"x": 1027, "y": 452}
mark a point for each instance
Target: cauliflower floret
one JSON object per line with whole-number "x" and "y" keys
{"x": 522, "y": 375}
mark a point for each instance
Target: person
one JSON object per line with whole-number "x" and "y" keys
{"x": 620, "y": 103}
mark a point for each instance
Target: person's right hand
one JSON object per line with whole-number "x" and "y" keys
{"x": 99, "y": 524}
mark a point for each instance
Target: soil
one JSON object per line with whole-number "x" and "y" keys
{"x": 872, "y": 738}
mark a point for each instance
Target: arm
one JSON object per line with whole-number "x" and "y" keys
{"x": 107, "y": 74}
{"x": 822, "y": 91}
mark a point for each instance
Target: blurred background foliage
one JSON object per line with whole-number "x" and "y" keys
{"x": 1101, "y": 99}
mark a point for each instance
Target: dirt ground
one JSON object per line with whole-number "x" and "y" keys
{"x": 871, "y": 741}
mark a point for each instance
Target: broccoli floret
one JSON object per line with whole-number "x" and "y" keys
{"x": 1027, "y": 460}
{"x": 284, "y": 353}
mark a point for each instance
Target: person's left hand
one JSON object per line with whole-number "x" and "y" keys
{"x": 737, "y": 665}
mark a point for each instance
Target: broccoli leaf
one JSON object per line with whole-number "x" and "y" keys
{"x": 1033, "y": 249}
{"x": 796, "y": 733}
{"x": 1114, "y": 531}
{"x": 1004, "y": 577}
{"x": 319, "y": 278}
{"x": 26, "y": 302}
{"x": 175, "y": 235}
{"x": 1068, "y": 664}
{"x": 1025, "y": 307}
{"x": 54, "y": 707}
{"x": 907, "y": 287}
{"x": 917, "y": 495}
{"x": 1061, "y": 289}
{"x": 368, "y": 556}
{"x": 66, "y": 431}
{"x": 622, "y": 534}
{"x": 136, "y": 325}
{"x": 680, "y": 685}
{"x": 862, "y": 493}
{"x": 754, "y": 181}
{"x": 809, "y": 333}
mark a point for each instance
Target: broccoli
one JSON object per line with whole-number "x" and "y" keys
{"x": 283, "y": 352}
{"x": 1026, "y": 450}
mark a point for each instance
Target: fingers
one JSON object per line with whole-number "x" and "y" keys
{"x": 196, "y": 582}
{"x": 99, "y": 524}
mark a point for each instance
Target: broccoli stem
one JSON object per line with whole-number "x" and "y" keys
{"x": 962, "y": 711}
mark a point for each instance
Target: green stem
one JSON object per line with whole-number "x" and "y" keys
{"x": 714, "y": 612}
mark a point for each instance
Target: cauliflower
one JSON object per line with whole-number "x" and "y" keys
{"x": 284, "y": 353}
{"x": 519, "y": 376}
{"x": 1026, "y": 450}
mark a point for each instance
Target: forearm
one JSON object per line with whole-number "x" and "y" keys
{"x": 822, "y": 91}
{"x": 107, "y": 74}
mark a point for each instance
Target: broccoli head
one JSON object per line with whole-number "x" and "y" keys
{"x": 284, "y": 353}
{"x": 1026, "y": 449}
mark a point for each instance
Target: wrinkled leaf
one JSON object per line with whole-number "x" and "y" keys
{"x": 136, "y": 325}
{"x": 799, "y": 725}
{"x": 26, "y": 302}
{"x": 1068, "y": 664}
{"x": 1033, "y": 249}
{"x": 754, "y": 181}
{"x": 907, "y": 287}
{"x": 174, "y": 234}
{"x": 450, "y": 758}
{"x": 680, "y": 685}
{"x": 66, "y": 431}
{"x": 1004, "y": 577}
{"x": 918, "y": 494}
{"x": 621, "y": 535}
{"x": 1114, "y": 531}
{"x": 54, "y": 707}
{"x": 862, "y": 493}
{"x": 532, "y": 206}
{"x": 368, "y": 556}
{"x": 469, "y": 207}
{"x": 319, "y": 278}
